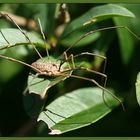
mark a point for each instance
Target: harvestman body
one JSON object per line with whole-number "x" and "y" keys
{"x": 47, "y": 68}
{"x": 54, "y": 69}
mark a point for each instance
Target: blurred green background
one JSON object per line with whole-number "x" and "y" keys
{"x": 122, "y": 52}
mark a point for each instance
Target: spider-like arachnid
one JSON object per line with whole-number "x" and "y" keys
{"x": 55, "y": 68}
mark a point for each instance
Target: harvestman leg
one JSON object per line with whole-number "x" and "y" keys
{"x": 99, "y": 30}
{"x": 67, "y": 58}
{"x": 21, "y": 62}
{"x": 93, "y": 71}
{"x": 94, "y": 82}
{"x": 96, "y": 55}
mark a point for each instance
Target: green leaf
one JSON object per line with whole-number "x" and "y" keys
{"x": 125, "y": 39}
{"x": 77, "y": 109}
{"x": 97, "y": 14}
{"x": 10, "y": 37}
{"x": 138, "y": 88}
{"x": 40, "y": 84}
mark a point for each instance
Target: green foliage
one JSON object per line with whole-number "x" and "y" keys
{"x": 97, "y": 14}
{"x": 76, "y": 109}
{"x": 87, "y": 23}
{"x": 62, "y": 103}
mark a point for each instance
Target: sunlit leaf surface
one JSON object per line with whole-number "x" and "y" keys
{"x": 77, "y": 109}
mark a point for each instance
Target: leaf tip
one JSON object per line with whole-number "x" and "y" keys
{"x": 55, "y": 132}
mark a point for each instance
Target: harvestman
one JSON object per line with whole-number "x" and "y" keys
{"x": 54, "y": 69}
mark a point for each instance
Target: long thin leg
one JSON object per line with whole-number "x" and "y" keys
{"x": 96, "y": 72}
{"x": 44, "y": 39}
{"x": 66, "y": 60}
{"x": 84, "y": 53}
{"x": 4, "y": 15}
{"x": 102, "y": 29}
{"x": 71, "y": 57}
{"x": 83, "y": 68}
{"x": 96, "y": 55}
{"x": 87, "y": 53}
{"x": 21, "y": 62}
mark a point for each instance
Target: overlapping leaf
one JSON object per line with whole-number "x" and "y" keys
{"x": 77, "y": 109}
{"x": 97, "y": 14}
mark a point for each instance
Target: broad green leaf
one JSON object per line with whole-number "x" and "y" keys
{"x": 77, "y": 109}
{"x": 138, "y": 88}
{"x": 126, "y": 39}
{"x": 10, "y": 37}
{"x": 97, "y": 14}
